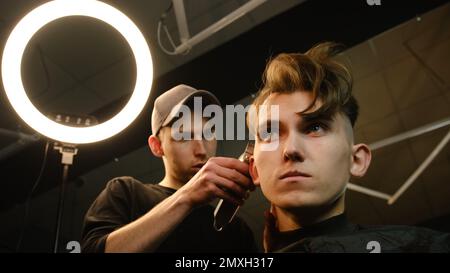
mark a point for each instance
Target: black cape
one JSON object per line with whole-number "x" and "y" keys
{"x": 337, "y": 234}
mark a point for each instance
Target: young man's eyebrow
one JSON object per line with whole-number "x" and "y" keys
{"x": 268, "y": 122}
{"x": 315, "y": 116}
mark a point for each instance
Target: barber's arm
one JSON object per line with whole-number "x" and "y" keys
{"x": 220, "y": 177}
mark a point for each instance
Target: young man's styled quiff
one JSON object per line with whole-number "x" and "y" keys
{"x": 315, "y": 71}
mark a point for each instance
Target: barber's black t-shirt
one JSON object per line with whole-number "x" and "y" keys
{"x": 125, "y": 199}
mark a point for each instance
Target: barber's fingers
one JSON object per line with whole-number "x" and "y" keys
{"x": 230, "y": 186}
{"x": 227, "y": 196}
{"x": 231, "y": 163}
{"x": 272, "y": 210}
{"x": 232, "y": 174}
{"x": 271, "y": 221}
{"x": 269, "y": 231}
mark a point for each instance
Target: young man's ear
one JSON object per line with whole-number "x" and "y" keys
{"x": 253, "y": 171}
{"x": 361, "y": 160}
{"x": 155, "y": 145}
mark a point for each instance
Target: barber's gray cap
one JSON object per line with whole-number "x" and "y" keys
{"x": 174, "y": 98}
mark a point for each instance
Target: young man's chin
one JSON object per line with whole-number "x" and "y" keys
{"x": 303, "y": 201}
{"x": 297, "y": 204}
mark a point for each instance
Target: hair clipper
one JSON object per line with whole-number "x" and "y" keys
{"x": 225, "y": 211}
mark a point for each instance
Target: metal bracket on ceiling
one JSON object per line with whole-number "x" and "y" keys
{"x": 187, "y": 42}
{"x": 391, "y": 199}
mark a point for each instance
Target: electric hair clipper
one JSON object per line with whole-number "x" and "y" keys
{"x": 225, "y": 211}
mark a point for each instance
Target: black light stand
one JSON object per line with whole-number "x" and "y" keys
{"x": 68, "y": 151}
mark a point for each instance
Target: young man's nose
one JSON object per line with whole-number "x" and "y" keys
{"x": 199, "y": 147}
{"x": 292, "y": 148}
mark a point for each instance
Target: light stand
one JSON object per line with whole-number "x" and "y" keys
{"x": 68, "y": 151}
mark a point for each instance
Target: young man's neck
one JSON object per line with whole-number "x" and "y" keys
{"x": 291, "y": 220}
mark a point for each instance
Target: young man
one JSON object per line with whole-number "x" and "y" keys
{"x": 305, "y": 176}
{"x": 174, "y": 215}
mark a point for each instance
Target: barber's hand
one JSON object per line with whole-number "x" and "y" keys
{"x": 220, "y": 177}
{"x": 270, "y": 230}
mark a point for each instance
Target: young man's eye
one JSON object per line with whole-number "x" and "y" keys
{"x": 316, "y": 128}
{"x": 269, "y": 134}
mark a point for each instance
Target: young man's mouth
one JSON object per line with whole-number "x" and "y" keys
{"x": 294, "y": 175}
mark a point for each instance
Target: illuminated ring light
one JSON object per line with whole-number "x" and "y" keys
{"x": 38, "y": 18}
